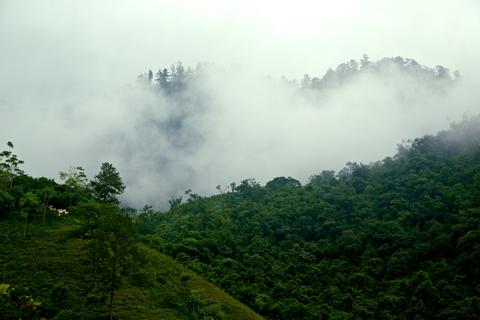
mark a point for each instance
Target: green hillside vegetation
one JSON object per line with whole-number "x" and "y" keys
{"x": 396, "y": 239}
{"x": 57, "y": 264}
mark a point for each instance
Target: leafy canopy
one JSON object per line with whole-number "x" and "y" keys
{"x": 107, "y": 184}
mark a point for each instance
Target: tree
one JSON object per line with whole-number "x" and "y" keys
{"x": 107, "y": 184}
{"x": 324, "y": 177}
{"x": 150, "y": 76}
{"x": 29, "y": 204}
{"x": 7, "y": 202}
{"x": 175, "y": 202}
{"x": 306, "y": 81}
{"x": 92, "y": 211}
{"x": 47, "y": 194}
{"x": 365, "y": 61}
{"x": 9, "y": 165}
{"x": 110, "y": 253}
{"x": 163, "y": 78}
{"x": 178, "y": 77}
{"x": 76, "y": 183}
{"x": 75, "y": 177}
{"x": 283, "y": 182}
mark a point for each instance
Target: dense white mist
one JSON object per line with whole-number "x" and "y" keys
{"x": 68, "y": 98}
{"x": 258, "y": 128}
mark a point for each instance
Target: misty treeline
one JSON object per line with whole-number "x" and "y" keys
{"x": 176, "y": 78}
{"x": 396, "y": 239}
{"x": 349, "y": 70}
{"x": 193, "y": 115}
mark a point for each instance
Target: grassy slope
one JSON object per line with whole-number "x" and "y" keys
{"x": 160, "y": 289}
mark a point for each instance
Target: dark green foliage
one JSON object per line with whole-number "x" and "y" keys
{"x": 18, "y": 301}
{"x": 282, "y": 182}
{"x": 107, "y": 184}
{"x": 175, "y": 202}
{"x": 7, "y": 203}
{"x": 54, "y": 271}
{"x": 69, "y": 265}
{"x": 30, "y": 208}
{"x": 397, "y": 239}
{"x": 200, "y": 308}
{"x": 110, "y": 253}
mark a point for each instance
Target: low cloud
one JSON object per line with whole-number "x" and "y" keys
{"x": 230, "y": 125}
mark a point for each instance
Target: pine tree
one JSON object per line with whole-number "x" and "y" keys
{"x": 107, "y": 184}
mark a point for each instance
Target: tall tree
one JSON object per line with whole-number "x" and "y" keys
{"x": 9, "y": 165}
{"x": 29, "y": 205}
{"x": 110, "y": 253}
{"x": 76, "y": 183}
{"x": 163, "y": 78}
{"x": 107, "y": 184}
{"x": 150, "y": 76}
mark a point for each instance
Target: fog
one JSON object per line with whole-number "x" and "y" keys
{"x": 69, "y": 95}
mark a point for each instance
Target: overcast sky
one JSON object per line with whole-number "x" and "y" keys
{"x": 98, "y": 38}
{"x": 62, "y": 64}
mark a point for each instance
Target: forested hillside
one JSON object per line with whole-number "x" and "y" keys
{"x": 395, "y": 239}
{"x": 239, "y": 160}
{"x": 69, "y": 252}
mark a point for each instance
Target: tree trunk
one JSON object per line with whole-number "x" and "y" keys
{"x": 25, "y": 228}
{"x": 44, "y": 206}
{"x": 112, "y": 288}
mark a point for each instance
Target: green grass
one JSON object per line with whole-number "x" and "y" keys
{"x": 157, "y": 287}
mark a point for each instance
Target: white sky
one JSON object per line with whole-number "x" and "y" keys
{"x": 274, "y": 37}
